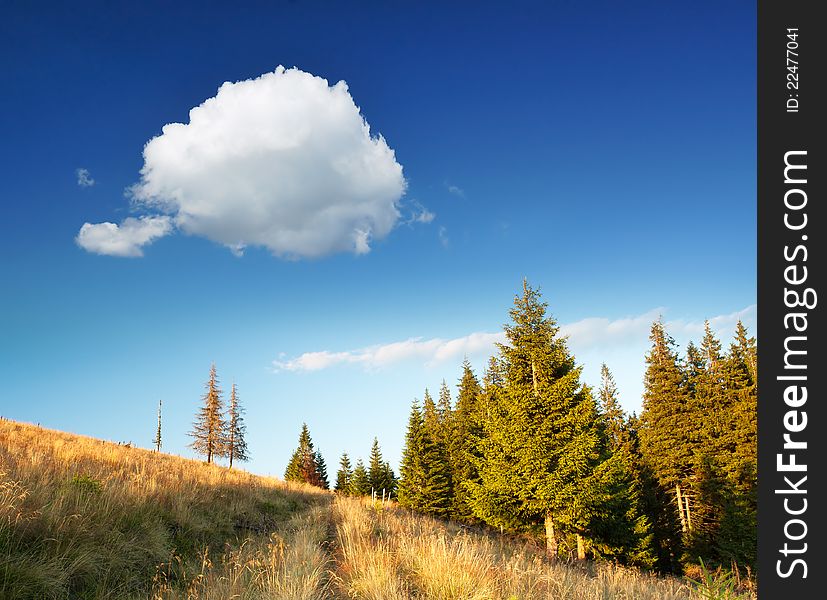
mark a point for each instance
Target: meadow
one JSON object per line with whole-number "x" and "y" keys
{"x": 89, "y": 519}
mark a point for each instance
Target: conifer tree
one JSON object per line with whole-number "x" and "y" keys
{"x": 425, "y": 476}
{"x": 344, "y": 476}
{"x": 411, "y": 475}
{"x": 391, "y": 481}
{"x": 321, "y": 471}
{"x": 545, "y": 444}
{"x": 467, "y": 428}
{"x": 360, "y": 482}
{"x": 209, "y": 429}
{"x": 237, "y": 435}
{"x": 612, "y": 414}
{"x": 666, "y": 431}
{"x": 157, "y": 441}
{"x": 380, "y": 475}
{"x": 304, "y": 463}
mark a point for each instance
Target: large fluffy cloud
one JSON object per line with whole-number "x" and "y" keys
{"x": 125, "y": 239}
{"x": 284, "y": 161}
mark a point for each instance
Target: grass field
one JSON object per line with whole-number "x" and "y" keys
{"x": 82, "y": 518}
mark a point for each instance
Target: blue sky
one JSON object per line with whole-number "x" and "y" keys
{"x": 605, "y": 152}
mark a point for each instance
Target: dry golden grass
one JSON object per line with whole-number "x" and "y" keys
{"x": 387, "y": 553}
{"x": 80, "y": 517}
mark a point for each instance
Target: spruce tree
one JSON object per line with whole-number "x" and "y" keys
{"x": 344, "y": 476}
{"x": 411, "y": 475}
{"x": 666, "y": 430}
{"x": 157, "y": 441}
{"x": 425, "y": 478}
{"x": 360, "y": 482}
{"x": 379, "y": 473}
{"x": 321, "y": 471}
{"x": 209, "y": 430}
{"x": 237, "y": 435}
{"x": 391, "y": 481}
{"x": 467, "y": 428}
{"x": 304, "y": 463}
{"x": 545, "y": 444}
{"x": 614, "y": 419}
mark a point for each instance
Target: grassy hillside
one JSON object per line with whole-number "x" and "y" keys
{"x": 82, "y": 518}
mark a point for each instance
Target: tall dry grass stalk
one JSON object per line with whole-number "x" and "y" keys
{"x": 387, "y": 553}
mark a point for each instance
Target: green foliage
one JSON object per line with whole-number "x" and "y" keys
{"x": 716, "y": 585}
{"x": 360, "y": 482}
{"x": 425, "y": 483}
{"x": 86, "y": 484}
{"x": 344, "y": 476}
{"x": 541, "y": 441}
{"x": 236, "y": 430}
{"x": 306, "y": 464}
{"x": 380, "y": 475}
{"x": 465, "y": 433}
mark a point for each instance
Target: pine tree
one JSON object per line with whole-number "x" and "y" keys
{"x": 544, "y": 446}
{"x": 620, "y": 528}
{"x": 344, "y": 476}
{"x": 612, "y": 414}
{"x": 360, "y": 482}
{"x": 157, "y": 441}
{"x": 321, "y": 471}
{"x": 467, "y": 428}
{"x": 237, "y": 442}
{"x": 379, "y": 473}
{"x": 411, "y": 481}
{"x": 209, "y": 429}
{"x": 666, "y": 431}
{"x": 391, "y": 481}
{"x": 425, "y": 478}
{"x": 304, "y": 463}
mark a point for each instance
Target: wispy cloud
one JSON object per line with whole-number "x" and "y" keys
{"x": 84, "y": 178}
{"x": 443, "y": 237}
{"x": 429, "y": 352}
{"x": 585, "y": 335}
{"x": 419, "y": 214}
{"x": 455, "y": 190}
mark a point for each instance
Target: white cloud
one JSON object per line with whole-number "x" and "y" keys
{"x": 443, "y": 237}
{"x": 84, "y": 178}
{"x": 586, "y": 338}
{"x": 430, "y": 352}
{"x": 419, "y": 214}
{"x": 125, "y": 239}
{"x": 455, "y": 190}
{"x": 285, "y": 162}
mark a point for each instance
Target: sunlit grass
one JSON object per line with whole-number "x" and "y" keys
{"x": 84, "y": 518}
{"x": 387, "y": 552}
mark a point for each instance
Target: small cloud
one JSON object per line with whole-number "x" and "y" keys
{"x": 455, "y": 190}
{"x": 420, "y": 215}
{"x": 84, "y": 178}
{"x": 443, "y": 237}
{"x": 237, "y": 249}
{"x": 126, "y": 239}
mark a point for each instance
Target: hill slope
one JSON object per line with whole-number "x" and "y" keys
{"x": 83, "y": 518}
